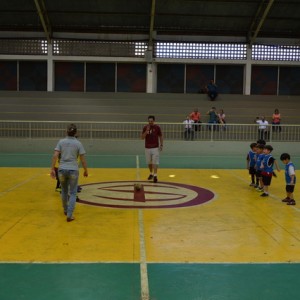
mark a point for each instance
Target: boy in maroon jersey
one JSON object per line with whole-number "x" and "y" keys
{"x": 153, "y": 144}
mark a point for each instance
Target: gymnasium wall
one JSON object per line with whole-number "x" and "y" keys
{"x": 135, "y": 107}
{"x": 84, "y": 76}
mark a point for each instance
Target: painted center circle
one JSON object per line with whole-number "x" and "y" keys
{"x": 123, "y": 194}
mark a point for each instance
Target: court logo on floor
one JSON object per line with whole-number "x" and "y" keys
{"x": 125, "y": 194}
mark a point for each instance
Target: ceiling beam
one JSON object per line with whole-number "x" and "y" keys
{"x": 149, "y": 51}
{"x": 41, "y": 9}
{"x": 152, "y": 16}
{"x": 259, "y": 19}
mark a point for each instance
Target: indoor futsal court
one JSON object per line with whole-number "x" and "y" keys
{"x": 196, "y": 234}
{"x": 215, "y": 76}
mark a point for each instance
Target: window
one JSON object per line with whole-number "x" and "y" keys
{"x": 200, "y": 50}
{"x": 276, "y": 52}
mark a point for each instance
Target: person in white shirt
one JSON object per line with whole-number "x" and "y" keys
{"x": 188, "y": 128}
{"x": 262, "y": 128}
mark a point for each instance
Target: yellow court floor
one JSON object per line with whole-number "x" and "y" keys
{"x": 236, "y": 225}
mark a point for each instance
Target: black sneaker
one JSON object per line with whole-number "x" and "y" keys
{"x": 286, "y": 199}
{"x": 291, "y": 202}
{"x": 154, "y": 179}
{"x": 150, "y": 177}
{"x": 264, "y": 195}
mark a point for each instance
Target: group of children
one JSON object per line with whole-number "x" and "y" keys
{"x": 260, "y": 164}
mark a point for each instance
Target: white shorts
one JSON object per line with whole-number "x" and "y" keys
{"x": 152, "y": 156}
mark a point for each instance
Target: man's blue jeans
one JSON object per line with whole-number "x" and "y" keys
{"x": 69, "y": 181}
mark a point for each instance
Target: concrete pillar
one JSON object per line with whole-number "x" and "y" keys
{"x": 248, "y": 69}
{"x": 151, "y": 78}
{"x": 50, "y": 69}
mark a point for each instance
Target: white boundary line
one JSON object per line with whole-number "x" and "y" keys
{"x": 143, "y": 264}
{"x": 143, "y": 260}
{"x": 138, "y": 175}
{"x": 19, "y": 184}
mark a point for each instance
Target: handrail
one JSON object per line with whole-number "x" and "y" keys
{"x": 132, "y": 130}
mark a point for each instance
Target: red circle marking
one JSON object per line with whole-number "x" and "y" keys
{"x": 122, "y": 194}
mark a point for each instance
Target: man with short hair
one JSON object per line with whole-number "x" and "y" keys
{"x": 213, "y": 118}
{"x": 153, "y": 145}
{"x": 69, "y": 148}
{"x": 262, "y": 128}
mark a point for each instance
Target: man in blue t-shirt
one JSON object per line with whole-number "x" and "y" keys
{"x": 69, "y": 150}
{"x": 213, "y": 118}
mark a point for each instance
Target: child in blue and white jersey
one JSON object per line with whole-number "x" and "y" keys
{"x": 267, "y": 169}
{"x": 258, "y": 167}
{"x": 290, "y": 179}
{"x": 251, "y": 163}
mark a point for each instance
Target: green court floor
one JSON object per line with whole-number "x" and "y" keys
{"x": 166, "y": 281}
{"x": 127, "y": 161}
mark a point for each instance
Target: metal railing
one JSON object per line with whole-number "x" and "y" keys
{"x": 132, "y": 131}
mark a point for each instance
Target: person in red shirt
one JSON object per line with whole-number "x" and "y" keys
{"x": 276, "y": 118}
{"x": 196, "y": 116}
{"x": 153, "y": 145}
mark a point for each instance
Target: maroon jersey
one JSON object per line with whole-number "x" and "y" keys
{"x": 151, "y": 139}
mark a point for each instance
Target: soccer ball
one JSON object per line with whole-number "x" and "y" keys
{"x": 138, "y": 186}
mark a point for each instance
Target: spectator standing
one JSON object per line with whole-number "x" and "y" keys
{"x": 213, "y": 118}
{"x": 188, "y": 128}
{"x": 276, "y": 119}
{"x": 196, "y": 116}
{"x": 262, "y": 128}
{"x": 221, "y": 119}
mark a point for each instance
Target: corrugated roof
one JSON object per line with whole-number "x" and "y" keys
{"x": 244, "y": 19}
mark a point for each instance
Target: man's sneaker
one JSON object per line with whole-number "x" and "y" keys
{"x": 260, "y": 189}
{"x": 286, "y": 199}
{"x": 252, "y": 184}
{"x": 150, "y": 177}
{"x": 264, "y": 195}
{"x": 291, "y": 202}
{"x": 58, "y": 190}
{"x": 154, "y": 179}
